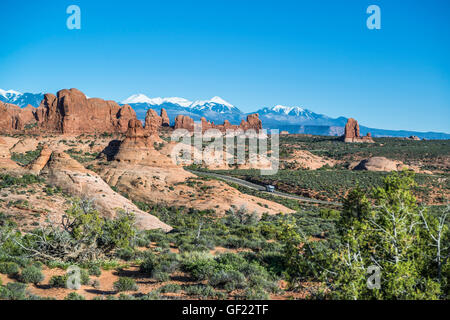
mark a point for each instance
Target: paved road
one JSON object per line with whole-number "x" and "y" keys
{"x": 262, "y": 188}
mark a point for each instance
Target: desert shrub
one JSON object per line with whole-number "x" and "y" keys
{"x": 161, "y": 276}
{"x": 160, "y": 266}
{"x": 83, "y": 235}
{"x": 74, "y": 296}
{"x": 153, "y": 295}
{"x": 125, "y": 284}
{"x": 126, "y": 297}
{"x": 259, "y": 281}
{"x": 332, "y": 214}
{"x": 200, "y": 265}
{"x": 171, "y": 287}
{"x": 13, "y": 291}
{"x": 255, "y": 294}
{"x": 84, "y": 277}
{"x": 26, "y": 158}
{"x": 231, "y": 260}
{"x": 149, "y": 264}
{"x": 58, "y": 281}
{"x": 23, "y": 181}
{"x": 228, "y": 280}
{"x": 125, "y": 254}
{"x": 201, "y": 291}
{"x": 9, "y": 268}
{"x": 31, "y": 274}
{"x": 95, "y": 270}
{"x": 155, "y": 235}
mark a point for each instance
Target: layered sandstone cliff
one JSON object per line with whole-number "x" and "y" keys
{"x": 70, "y": 112}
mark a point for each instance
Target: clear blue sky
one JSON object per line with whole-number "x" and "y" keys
{"x": 316, "y": 54}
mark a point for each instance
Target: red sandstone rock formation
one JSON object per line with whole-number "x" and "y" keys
{"x": 184, "y": 122}
{"x": 70, "y": 112}
{"x": 165, "y": 118}
{"x": 5, "y": 158}
{"x": 14, "y": 119}
{"x": 253, "y": 122}
{"x": 39, "y": 163}
{"x": 153, "y": 122}
{"x": 352, "y": 133}
{"x": 63, "y": 171}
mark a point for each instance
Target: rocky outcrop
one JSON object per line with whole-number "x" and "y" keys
{"x": 153, "y": 122}
{"x": 352, "y": 133}
{"x": 415, "y": 138}
{"x": 150, "y": 175}
{"x": 39, "y": 163}
{"x": 253, "y": 123}
{"x": 14, "y": 119}
{"x": 137, "y": 146}
{"x": 70, "y": 112}
{"x": 184, "y": 122}
{"x": 379, "y": 164}
{"x": 5, "y": 157}
{"x": 165, "y": 121}
{"x": 63, "y": 171}
{"x": 303, "y": 159}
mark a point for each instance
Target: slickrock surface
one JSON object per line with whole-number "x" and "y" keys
{"x": 63, "y": 171}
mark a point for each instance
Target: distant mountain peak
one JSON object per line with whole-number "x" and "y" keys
{"x": 9, "y": 93}
{"x": 219, "y": 100}
{"x": 287, "y": 110}
{"x": 137, "y": 98}
{"x": 21, "y": 99}
{"x": 142, "y": 98}
{"x": 215, "y": 104}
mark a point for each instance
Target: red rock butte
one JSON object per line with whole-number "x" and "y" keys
{"x": 69, "y": 112}
{"x": 352, "y": 133}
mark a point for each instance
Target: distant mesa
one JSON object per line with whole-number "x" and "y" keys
{"x": 352, "y": 133}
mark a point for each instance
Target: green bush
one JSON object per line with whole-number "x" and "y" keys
{"x": 13, "y": 291}
{"x": 58, "y": 281}
{"x": 31, "y": 274}
{"x": 84, "y": 277}
{"x": 255, "y": 294}
{"x": 161, "y": 276}
{"x": 126, "y": 254}
{"x": 200, "y": 265}
{"x": 95, "y": 270}
{"x": 171, "y": 287}
{"x": 202, "y": 291}
{"x": 9, "y": 268}
{"x": 74, "y": 296}
{"x": 228, "y": 280}
{"x": 125, "y": 284}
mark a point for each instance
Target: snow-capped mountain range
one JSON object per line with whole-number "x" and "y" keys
{"x": 216, "y": 103}
{"x": 21, "y": 99}
{"x": 215, "y": 109}
{"x": 293, "y": 119}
